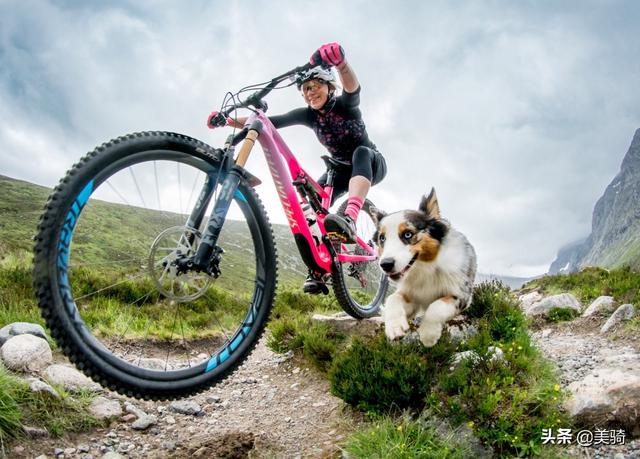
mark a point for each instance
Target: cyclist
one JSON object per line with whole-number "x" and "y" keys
{"x": 338, "y": 124}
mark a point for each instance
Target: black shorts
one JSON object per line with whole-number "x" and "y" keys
{"x": 366, "y": 162}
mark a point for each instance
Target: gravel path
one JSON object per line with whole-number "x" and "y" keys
{"x": 273, "y": 406}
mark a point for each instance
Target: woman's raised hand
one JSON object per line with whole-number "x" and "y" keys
{"x": 330, "y": 54}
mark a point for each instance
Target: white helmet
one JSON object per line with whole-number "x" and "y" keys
{"x": 315, "y": 73}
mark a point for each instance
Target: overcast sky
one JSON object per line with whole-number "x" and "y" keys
{"x": 519, "y": 113}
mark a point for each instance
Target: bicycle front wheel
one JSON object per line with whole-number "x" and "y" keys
{"x": 107, "y": 280}
{"x": 360, "y": 287}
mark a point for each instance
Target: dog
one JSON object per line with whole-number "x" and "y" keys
{"x": 433, "y": 265}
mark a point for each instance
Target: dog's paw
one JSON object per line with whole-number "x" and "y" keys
{"x": 396, "y": 327}
{"x": 430, "y": 333}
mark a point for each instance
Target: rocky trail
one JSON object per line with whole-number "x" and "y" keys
{"x": 273, "y": 406}
{"x": 278, "y": 406}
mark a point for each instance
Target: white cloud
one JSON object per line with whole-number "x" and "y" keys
{"x": 518, "y": 114}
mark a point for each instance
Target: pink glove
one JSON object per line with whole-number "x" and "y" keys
{"x": 329, "y": 54}
{"x": 215, "y": 120}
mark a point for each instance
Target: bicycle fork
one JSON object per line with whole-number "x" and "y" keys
{"x": 208, "y": 254}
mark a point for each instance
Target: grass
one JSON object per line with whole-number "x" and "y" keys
{"x": 506, "y": 403}
{"x": 19, "y": 406}
{"x": 407, "y": 438}
{"x": 622, "y": 283}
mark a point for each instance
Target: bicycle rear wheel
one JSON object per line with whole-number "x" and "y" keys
{"x": 360, "y": 287}
{"x": 106, "y": 278}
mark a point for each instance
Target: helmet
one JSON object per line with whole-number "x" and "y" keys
{"x": 315, "y": 73}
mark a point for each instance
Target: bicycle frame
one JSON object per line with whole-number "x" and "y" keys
{"x": 284, "y": 168}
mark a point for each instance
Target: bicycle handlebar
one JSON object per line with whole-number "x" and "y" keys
{"x": 255, "y": 99}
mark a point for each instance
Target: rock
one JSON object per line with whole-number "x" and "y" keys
{"x": 606, "y": 396}
{"x": 21, "y": 328}
{"x": 529, "y": 299}
{"x": 41, "y": 386}
{"x": 144, "y": 420}
{"x": 624, "y": 312}
{"x": 69, "y": 451}
{"x": 602, "y": 303}
{"x": 152, "y": 364}
{"x": 343, "y": 322}
{"x": 185, "y": 407}
{"x": 104, "y": 408}
{"x": 26, "y": 353}
{"x": 112, "y": 455}
{"x": 70, "y": 378}
{"x": 35, "y": 432}
{"x": 494, "y": 354}
{"x": 562, "y": 301}
{"x": 461, "y": 332}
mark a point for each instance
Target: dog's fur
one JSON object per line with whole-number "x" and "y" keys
{"x": 434, "y": 267}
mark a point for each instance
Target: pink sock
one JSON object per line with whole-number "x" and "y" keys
{"x": 353, "y": 207}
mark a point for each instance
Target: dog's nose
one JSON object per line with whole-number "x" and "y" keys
{"x": 387, "y": 264}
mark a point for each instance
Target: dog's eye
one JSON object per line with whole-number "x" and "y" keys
{"x": 407, "y": 235}
{"x": 382, "y": 238}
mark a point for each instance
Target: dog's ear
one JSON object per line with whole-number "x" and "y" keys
{"x": 377, "y": 215}
{"x": 429, "y": 205}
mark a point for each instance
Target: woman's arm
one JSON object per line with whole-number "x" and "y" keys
{"x": 348, "y": 77}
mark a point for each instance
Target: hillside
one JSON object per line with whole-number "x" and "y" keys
{"x": 108, "y": 226}
{"x": 615, "y": 235}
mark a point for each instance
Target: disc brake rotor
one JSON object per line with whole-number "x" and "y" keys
{"x": 171, "y": 244}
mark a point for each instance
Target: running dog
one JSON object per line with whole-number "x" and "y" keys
{"x": 433, "y": 265}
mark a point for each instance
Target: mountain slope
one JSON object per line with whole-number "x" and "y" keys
{"x": 615, "y": 236}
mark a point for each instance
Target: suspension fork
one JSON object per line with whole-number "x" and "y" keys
{"x": 212, "y": 229}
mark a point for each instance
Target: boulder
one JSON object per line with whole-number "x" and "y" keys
{"x": 26, "y": 353}
{"x": 529, "y": 299}
{"x": 70, "y": 379}
{"x": 561, "y": 301}
{"x": 21, "y": 328}
{"x": 607, "y": 396}
{"x": 344, "y": 323}
{"x": 600, "y": 304}
{"x": 623, "y": 313}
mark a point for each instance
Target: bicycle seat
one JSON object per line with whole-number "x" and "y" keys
{"x": 333, "y": 163}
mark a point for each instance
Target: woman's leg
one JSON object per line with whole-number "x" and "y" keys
{"x": 365, "y": 162}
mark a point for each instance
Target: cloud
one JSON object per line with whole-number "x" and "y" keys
{"x": 518, "y": 113}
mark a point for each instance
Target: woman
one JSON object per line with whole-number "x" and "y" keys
{"x": 337, "y": 122}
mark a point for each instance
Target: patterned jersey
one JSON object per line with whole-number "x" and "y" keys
{"x": 340, "y": 129}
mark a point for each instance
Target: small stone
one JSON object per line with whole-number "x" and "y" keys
{"x": 144, "y": 422}
{"x": 214, "y": 399}
{"x": 18, "y": 449}
{"x": 170, "y": 420}
{"x": 83, "y": 448}
{"x": 169, "y": 444}
{"x": 185, "y": 407}
{"x": 129, "y": 417}
{"x": 40, "y": 386}
{"x": 296, "y": 371}
{"x": 103, "y": 408}
{"x": 35, "y": 432}
{"x": 69, "y": 451}
{"x": 58, "y": 451}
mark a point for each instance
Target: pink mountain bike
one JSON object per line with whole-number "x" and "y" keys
{"x": 155, "y": 263}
